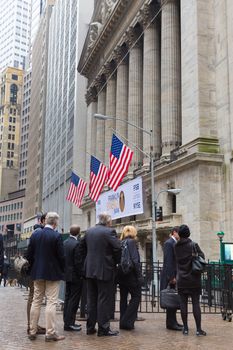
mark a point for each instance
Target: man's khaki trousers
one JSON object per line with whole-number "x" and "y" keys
{"x": 50, "y": 290}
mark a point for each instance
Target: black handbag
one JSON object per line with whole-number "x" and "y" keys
{"x": 198, "y": 262}
{"x": 169, "y": 298}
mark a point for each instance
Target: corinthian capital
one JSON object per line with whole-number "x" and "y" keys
{"x": 108, "y": 69}
{"x": 120, "y": 55}
{"x": 91, "y": 95}
{"x": 99, "y": 82}
{"x": 132, "y": 36}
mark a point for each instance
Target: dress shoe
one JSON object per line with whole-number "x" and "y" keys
{"x": 32, "y": 336}
{"x": 200, "y": 333}
{"x": 91, "y": 331}
{"x": 72, "y": 328}
{"x": 107, "y": 333}
{"x": 40, "y": 330}
{"x": 179, "y": 325}
{"x": 175, "y": 328}
{"x": 77, "y": 325}
{"x": 126, "y": 328}
{"x": 54, "y": 337}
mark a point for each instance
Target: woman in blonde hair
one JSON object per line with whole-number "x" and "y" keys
{"x": 131, "y": 282}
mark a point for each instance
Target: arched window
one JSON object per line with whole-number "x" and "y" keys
{"x": 13, "y": 94}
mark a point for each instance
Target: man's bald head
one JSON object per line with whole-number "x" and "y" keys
{"x": 74, "y": 230}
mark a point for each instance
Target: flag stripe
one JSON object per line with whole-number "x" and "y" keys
{"x": 119, "y": 172}
{"x": 76, "y": 190}
{"x": 98, "y": 176}
{"x": 120, "y": 158}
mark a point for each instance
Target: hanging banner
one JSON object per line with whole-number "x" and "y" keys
{"x": 126, "y": 201}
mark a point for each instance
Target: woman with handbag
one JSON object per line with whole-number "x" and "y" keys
{"x": 188, "y": 282}
{"x": 130, "y": 283}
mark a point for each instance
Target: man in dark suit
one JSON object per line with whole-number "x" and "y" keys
{"x": 103, "y": 252}
{"x": 46, "y": 258}
{"x": 168, "y": 276}
{"x": 40, "y": 330}
{"x": 73, "y": 278}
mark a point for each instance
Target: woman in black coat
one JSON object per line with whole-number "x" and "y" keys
{"x": 189, "y": 284}
{"x": 130, "y": 283}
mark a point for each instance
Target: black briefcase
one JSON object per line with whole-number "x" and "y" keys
{"x": 169, "y": 298}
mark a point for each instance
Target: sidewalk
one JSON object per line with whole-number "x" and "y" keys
{"x": 148, "y": 335}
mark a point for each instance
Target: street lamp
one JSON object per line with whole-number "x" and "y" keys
{"x": 174, "y": 191}
{"x": 220, "y": 235}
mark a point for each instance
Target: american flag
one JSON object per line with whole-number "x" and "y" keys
{"x": 120, "y": 158}
{"x": 98, "y": 176}
{"x": 76, "y": 190}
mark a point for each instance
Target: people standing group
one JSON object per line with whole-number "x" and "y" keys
{"x": 97, "y": 258}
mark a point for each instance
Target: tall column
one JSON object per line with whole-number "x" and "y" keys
{"x": 170, "y": 77}
{"x": 135, "y": 95}
{"x": 110, "y": 107}
{"x": 122, "y": 89}
{"x": 151, "y": 83}
{"x": 100, "y": 124}
{"x": 91, "y": 100}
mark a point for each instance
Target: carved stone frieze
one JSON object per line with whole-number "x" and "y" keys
{"x": 95, "y": 29}
{"x": 106, "y": 9}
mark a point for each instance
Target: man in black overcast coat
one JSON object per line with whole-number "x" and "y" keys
{"x": 103, "y": 251}
{"x": 168, "y": 276}
{"x": 73, "y": 278}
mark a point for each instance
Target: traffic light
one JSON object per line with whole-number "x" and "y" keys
{"x": 159, "y": 214}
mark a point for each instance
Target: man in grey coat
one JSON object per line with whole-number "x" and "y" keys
{"x": 103, "y": 251}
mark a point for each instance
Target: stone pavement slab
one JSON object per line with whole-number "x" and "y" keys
{"x": 148, "y": 335}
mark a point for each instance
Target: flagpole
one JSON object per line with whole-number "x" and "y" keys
{"x": 153, "y": 201}
{"x": 131, "y": 143}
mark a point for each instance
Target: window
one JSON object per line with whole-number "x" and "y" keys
{"x": 14, "y": 77}
{"x": 13, "y": 94}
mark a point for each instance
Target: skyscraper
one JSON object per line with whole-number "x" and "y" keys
{"x": 15, "y": 27}
{"x": 37, "y": 112}
{"x": 38, "y": 7}
{"x": 65, "y": 104}
{"x": 11, "y": 84}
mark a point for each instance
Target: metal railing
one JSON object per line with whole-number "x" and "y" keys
{"x": 217, "y": 289}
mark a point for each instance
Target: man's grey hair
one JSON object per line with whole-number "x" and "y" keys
{"x": 105, "y": 219}
{"x": 51, "y": 218}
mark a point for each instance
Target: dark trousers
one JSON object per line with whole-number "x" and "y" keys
{"x": 99, "y": 300}
{"x": 71, "y": 304}
{"x": 171, "y": 320}
{"x": 128, "y": 311}
{"x": 195, "y": 295}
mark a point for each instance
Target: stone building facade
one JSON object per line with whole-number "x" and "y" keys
{"x": 35, "y": 161}
{"x": 165, "y": 66}
{"x": 11, "y": 94}
{"x": 65, "y": 105}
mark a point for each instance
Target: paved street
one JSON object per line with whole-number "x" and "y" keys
{"x": 149, "y": 334}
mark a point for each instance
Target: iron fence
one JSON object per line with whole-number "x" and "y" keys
{"x": 217, "y": 289}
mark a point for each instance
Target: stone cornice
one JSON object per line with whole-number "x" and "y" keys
{"x": 190, "y": 160}
{"x": 86, "y": 62}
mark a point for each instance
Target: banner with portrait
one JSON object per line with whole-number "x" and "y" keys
{"x": 126, "y": 201}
